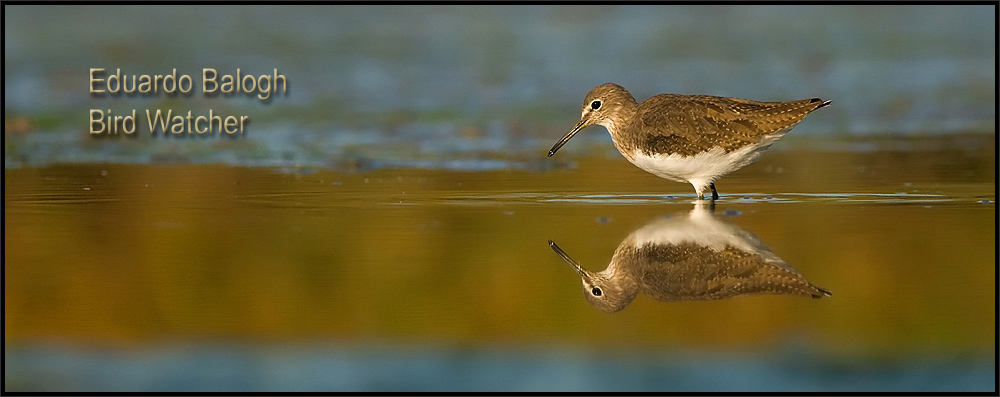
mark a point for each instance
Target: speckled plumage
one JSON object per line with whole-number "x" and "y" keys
{"x": 691, "y": 124}
{"x": 692, "y": 272}
{"x": 689, "y": 257}
{"x": 697, "y": 131}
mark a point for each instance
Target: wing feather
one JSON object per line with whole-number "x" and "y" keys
{"x": 691, "y": 124}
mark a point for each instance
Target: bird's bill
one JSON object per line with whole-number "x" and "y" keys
{"x": 567, "y": 137}
{"x": 565, "y": 257}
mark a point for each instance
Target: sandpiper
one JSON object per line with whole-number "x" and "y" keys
{"x": 689, "y": 138}
{"x": 697, "y": 256}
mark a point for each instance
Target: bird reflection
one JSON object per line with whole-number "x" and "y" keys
{"x": 694, "y": 256}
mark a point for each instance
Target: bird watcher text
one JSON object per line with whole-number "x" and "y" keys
{"x": 171, "y": 121}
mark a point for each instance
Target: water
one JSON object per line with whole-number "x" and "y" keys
{"x": 384, "y": 226}
{"x": 408, "y": 83}
{"x": 207, "y": 277}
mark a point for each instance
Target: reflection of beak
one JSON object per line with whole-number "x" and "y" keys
{"x": 566, "y": 138}
{"x": 565, "y": 257}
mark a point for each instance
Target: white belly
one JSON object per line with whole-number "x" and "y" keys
{"x": 702, "y": 168}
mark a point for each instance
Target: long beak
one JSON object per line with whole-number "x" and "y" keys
{"x": 565, "y": 257}
{"x": 566, "y": 138}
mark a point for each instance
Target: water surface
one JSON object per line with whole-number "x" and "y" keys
{"x": 438, "y": 279}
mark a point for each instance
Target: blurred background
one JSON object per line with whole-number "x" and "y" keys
{"x": 383, "y": 226}
{"x": 411, "y": 82}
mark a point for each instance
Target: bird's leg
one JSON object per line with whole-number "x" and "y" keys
{"x": 715, "y": 194}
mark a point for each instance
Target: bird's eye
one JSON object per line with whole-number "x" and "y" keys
{"x": 596, "y": 291}
{"x": 595, "y": 105}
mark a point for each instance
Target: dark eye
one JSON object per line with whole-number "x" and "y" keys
{"x": 596, "y": 291}
{"x": 595, "y": 105}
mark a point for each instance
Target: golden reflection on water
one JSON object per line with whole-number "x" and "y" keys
{"x": 691, "y": 256}
{"x": 144, "y": 253}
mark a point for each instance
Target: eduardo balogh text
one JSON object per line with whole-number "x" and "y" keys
{"x": 101, "y": 122}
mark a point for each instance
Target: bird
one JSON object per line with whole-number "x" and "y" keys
{"x": 689, "y": 138}
{"x": 696, "y": 256}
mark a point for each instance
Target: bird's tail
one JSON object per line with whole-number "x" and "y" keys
{"x": 820, "y": 100}
{"x": 822, "y": 292}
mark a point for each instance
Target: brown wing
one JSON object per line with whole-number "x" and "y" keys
{"x": 691, "y": 124}
{"x": 692, "y": 272}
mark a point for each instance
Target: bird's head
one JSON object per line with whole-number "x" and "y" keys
{"x": 602, "y": 292}
{"x": 608, "y": 105}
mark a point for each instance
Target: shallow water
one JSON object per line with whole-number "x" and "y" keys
{"x": 385, "y": 225}
{"x": 211, "y": 277}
